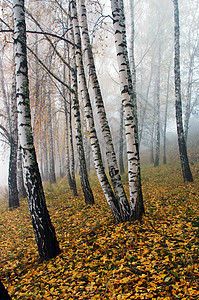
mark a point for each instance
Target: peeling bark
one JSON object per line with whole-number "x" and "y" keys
{"x": 110, "y": 152}
{"x": 96, "y": 151}
{"x": 88, "y": 194}
{"x": 121, "y": 142}
{"x": 130, "y": 112}
{"x": 20, "y": 179}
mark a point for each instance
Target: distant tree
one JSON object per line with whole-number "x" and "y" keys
{"x": 157, "y": 111}
{"x": 166, "y": 117}
{"x": 11, "y": 116}
{"x": 45, "y": 133}
{"x": 146, "y": 103}
{"x": 48, "y": 246}
{"x": 190, "y": 83}
{"x": 68, "y": 123}
{"x": 72, "y": 154}
{"x": 52, "y": 176}
{"x": 12, "y": 177}
{"x": 187, "y": 175}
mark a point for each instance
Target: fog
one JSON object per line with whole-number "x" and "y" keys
{"x": 153, "y": 31}
{"x": 3, "y": 168}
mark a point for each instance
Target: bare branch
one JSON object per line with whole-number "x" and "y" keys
{"x": 50, "y": 72}
{"x": 5, "y": 133}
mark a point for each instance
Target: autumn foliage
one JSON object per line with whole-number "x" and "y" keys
{"x": 155, "y": 259}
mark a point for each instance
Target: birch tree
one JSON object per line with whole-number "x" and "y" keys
{"x": 96, "y": 151}
{"x": 11, "y": 115}
{"x": 20, "y": 178}
{"x": 12, "y": 177}
{"x": 157, "y": 110}
{"x": 88, "y": 195}
{"x": 121, "y": 141}
{"x": 67, "y": 112}
{"x": 166, "y": 117}
{"x": 187, "y": 175}
{"x": 100, "y": 110}
{"x": 132, "y": 45}
{"x": 190, "y": 88}
{"x": 130, "y": 114}
{"x": 47, "y": 243}
{"x": 52, "y": 176}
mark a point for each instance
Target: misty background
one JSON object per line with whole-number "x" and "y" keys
{"x": 153, "y": 37}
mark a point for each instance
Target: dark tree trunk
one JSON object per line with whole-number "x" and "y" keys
{"x": 187, "y": 175}
{"x": 4, "y": 293}
{"x": 12, "y": 174}
{"x": 12, "y": 177}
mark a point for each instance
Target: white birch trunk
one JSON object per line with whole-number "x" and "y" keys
{"x": 88, "y": 194}
{"x": 130, "y": 121}
{"x": 48, "y": 246}
{"x": 110, "y": 152}
{"x": 132, "y": 46}
{"x": 97, "y": 158}
{"x": 121, "y": 142}
{"x": 20, "y": 179}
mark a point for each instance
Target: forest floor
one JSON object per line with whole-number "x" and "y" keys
{"x": 154, "y": 259}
